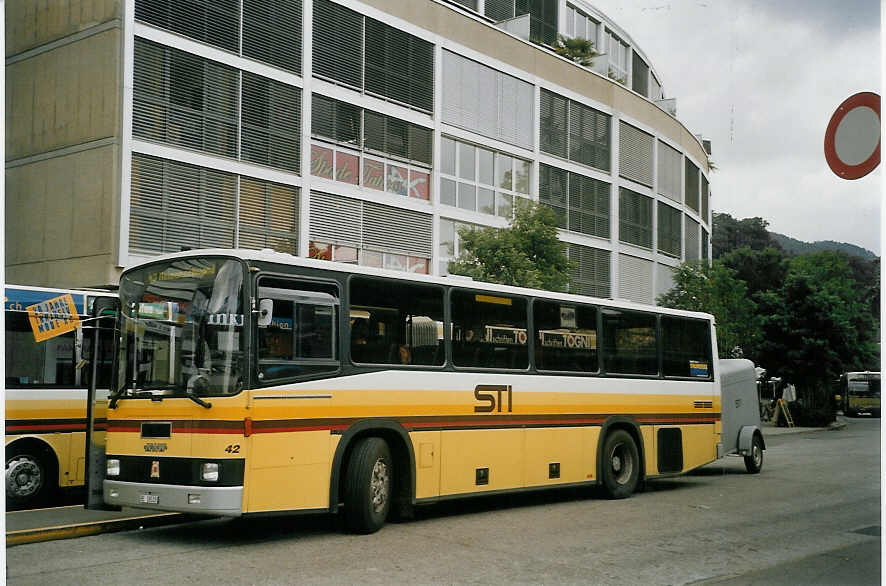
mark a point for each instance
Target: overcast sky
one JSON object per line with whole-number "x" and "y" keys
{"x": 761, "y": 78}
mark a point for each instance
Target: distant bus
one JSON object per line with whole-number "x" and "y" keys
{"x": 860, "y": 393}
{"x": 46, "y": 386}
{"x": 252, "y": 382}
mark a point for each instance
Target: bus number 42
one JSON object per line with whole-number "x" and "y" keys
{"x": 491, "y": 396}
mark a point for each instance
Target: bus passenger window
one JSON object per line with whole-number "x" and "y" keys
{"x": 629, "y": 342}
{"x": 29, "y": 363}
{"x": 489, "y": 331}
{"x": 301, "y": 338}
{"x": 396, "y": 322}
{"x": 686, "y": 347}
{"x": 565, "y": 337}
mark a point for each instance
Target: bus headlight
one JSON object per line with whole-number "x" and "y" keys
{"x": 209, "y": 472}
{"x": 113, "y": 467}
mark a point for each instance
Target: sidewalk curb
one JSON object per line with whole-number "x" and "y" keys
{"x": 835, "y": 426}
{"x": 92, "y": 528}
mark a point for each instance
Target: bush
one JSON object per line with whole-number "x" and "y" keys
{"x": 809, "y": 416}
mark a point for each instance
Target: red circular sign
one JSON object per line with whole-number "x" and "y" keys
{"x": 842, "y": 140}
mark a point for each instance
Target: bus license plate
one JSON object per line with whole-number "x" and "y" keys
{"x": 149, "y": 499}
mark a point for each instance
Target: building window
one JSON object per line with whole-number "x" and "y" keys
{"x": 488, "y": 102}
{"x": 272, "y": 30}
{"x": 191, "y": 102}
{"x": 669, "y": 230}
{"x": 634, "y": 218}
{"x": 581, "y": 203}
{"x": 704, "y": 244}
{"x": 639, "y": 75}
{"x": 543, "y": 16}
{"x": 344, "y": 229}
{"x": 574, "y": 131}
{"x": 591, "y": 272}
{"x": 691, "y": 194}
{"x": 499, "y": 10}
{"x": 489, "y": 331}
{"x": 629, "y": 342}
{"x": 669, "y": 172}
{"x": 635, "y": 154}
{"x": 705, "y": 195}
{"x": 481, "y": 180}
{"x": 581, "y": 26}
{"x": 268, "y": 216}
{"x": 618, "y": 58}
{"x": 402, "y": 166}
{"x": 174, "y": 204}
{"x": 692, "y": 239}
{"x": 184, "y": 100}
{"x": 366, "y": 54}
{"x": 271, "y": 121}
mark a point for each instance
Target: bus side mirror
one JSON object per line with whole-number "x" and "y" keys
{"x": 265, "y": 312}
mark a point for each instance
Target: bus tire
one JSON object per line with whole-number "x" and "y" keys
{"x": 621, "y": 465}
{"x": 368, "y": 486}
{"x": 30, "y": 475}
{"x": 754, "y": 461}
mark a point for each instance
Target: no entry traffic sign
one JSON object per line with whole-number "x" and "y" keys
{"x": 852, "y": 139}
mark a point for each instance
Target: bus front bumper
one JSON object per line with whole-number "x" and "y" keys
{"x": 201, "y": 500}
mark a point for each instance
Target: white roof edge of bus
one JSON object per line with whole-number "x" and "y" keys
{"x": 288, "y": 259}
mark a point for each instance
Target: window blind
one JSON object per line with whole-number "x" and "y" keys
{"x": 591, "y": 271}
{"x": 691, "y": 194}
{"x": 271, "y": 123}
{"x": 635, "y": 218}
{"x": 338, "y": 43}
{"x": 268, "y": 216}
{"x": 215, "y": 22}
{"x": 669, "y": 172}
{"x": 669, "y": 230}
{"x": 635, "y": 278}
{"x": 272, "y": 32}
{"x": 635, "y": 154}
{"x": 692, "y": 239}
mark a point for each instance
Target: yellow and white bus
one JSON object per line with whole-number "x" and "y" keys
{"x": 45, "y": 391}
{"x": 860, "y": 393}
{"x": 256, "y": 382}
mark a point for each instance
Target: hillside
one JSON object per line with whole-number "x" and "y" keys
{"x": 795, "y": 246}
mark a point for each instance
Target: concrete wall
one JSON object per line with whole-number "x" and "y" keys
{"x": 63, "y": 99}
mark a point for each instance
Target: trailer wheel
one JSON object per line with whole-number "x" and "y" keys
{"x": 621, "y": 465}
{"x": 368, "y": 485}
{"x": 754, "y": 461}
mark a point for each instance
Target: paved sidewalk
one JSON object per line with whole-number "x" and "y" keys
{"x": 76, "y": 521}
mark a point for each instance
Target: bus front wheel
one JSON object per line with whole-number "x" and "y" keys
{"x": 368, "y": 484}
{"x": 28, "y": 476}
{"x": 621, "y": 465}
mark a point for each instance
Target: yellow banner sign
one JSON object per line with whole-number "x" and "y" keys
{"x": 53, "y": 317}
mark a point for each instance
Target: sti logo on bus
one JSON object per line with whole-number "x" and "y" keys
{"x": 492, "y": 396}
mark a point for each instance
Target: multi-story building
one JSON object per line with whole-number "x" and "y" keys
{"x": 364, "y": 132}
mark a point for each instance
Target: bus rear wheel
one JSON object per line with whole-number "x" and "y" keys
{"x": 621, "y": 465}
{"x": 29, "y": 476}
{"x": 368, "y": 485}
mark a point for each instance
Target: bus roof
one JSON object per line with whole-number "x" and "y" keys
{"x": 282, "y": 258}
{"x": 19, "y": 297}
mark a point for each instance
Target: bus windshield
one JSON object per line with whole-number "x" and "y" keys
{"x": 864, "y": 385}
{"x": 182, "y": 329}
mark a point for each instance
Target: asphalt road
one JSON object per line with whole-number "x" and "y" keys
{"x": 812, "y": 516}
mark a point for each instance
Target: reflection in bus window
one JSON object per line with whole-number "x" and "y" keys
{"x": 629, "y": 344}
{"x": 565, "y": 337}
{"x": 489, "y": 331}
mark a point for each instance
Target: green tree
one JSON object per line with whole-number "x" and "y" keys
{"x": 716, "y": 289}
{"x": 528, "y": 253}
{"x": 816, "y": 326}
{"x": 761, "y": 270}
{"x": 728, "y": 233}
{"x": 577, "y": 49}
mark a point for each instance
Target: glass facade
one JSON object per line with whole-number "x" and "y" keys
{"x": 411, "y": 137}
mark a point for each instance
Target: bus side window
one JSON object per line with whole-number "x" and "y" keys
{"x": 396, "y": 323}
{"x": 629, "y": 342}
{"x": 300, "y": 339}
{"x": 565, "y": 337}
{"x": 686, "y": 347}
{"x": 37, "y": 364}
